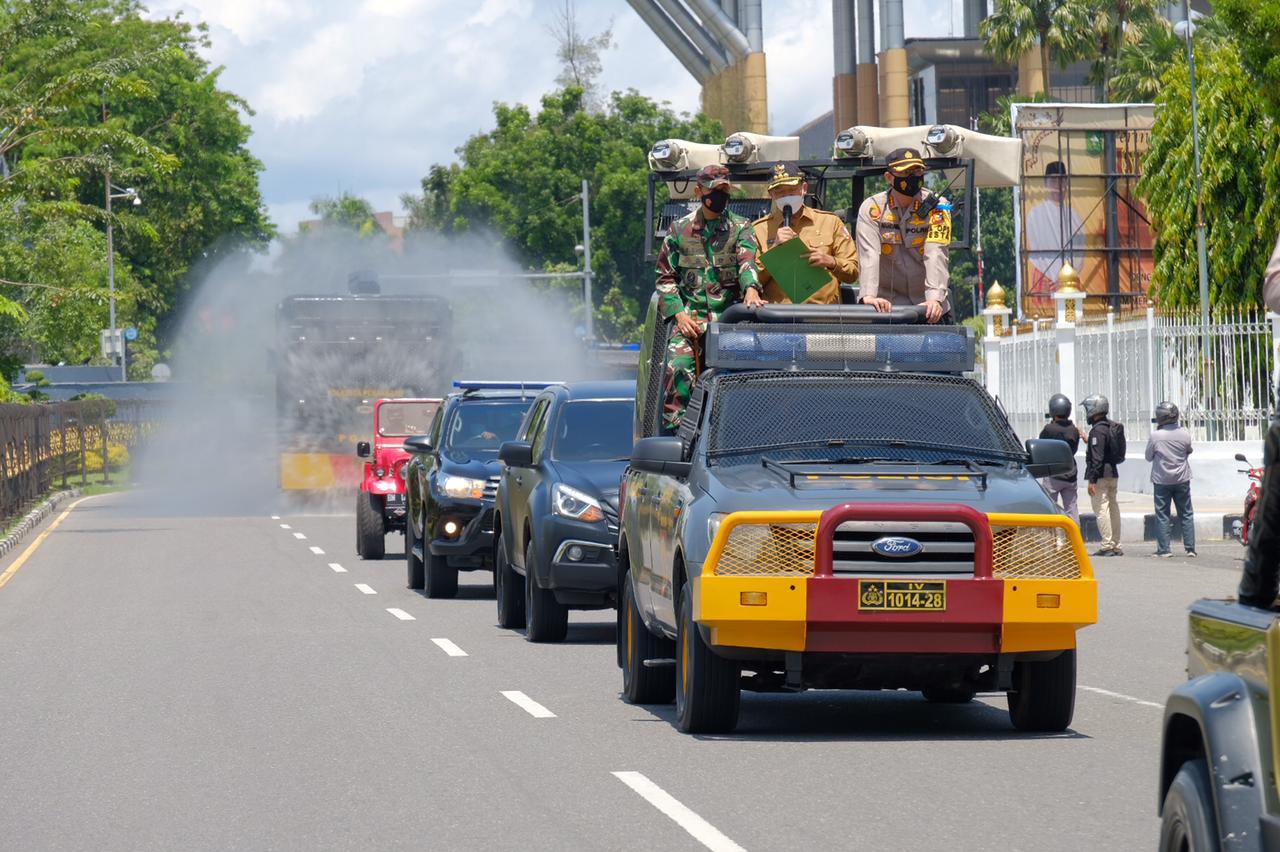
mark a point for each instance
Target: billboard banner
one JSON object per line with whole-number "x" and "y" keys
{"x": 1076, "y": 203}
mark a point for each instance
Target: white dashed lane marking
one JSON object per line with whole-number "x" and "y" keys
{"x": 285, "y": 527}
{"x": 275, "y": 517}
{"x": 527, "y": 704}
{"x": 400, "y": 614}
{"x": 299, "y": 536}
{"x": 368, "y": 590}
{"x": 1122, "y": 697}
{"x": 701, "y": 830}
{"x": 449, "y": 648}
{"x": 317, "y": 551}
{"x": 338, "y": 569}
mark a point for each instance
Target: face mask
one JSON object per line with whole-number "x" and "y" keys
{"x": 716, "y": 200}
{"x": 795, "y": 202}
{"x": 908, "y": 184}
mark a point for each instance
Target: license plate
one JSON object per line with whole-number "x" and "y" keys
{"x": 902, "y": 595}
{"x": 395, "y": 499}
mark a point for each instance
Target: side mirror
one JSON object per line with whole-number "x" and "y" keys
{"x": 364, "y": 450}
{"x": 1050, "y": 457}
{"x": 516, "y": 454}
{"x": 663, "y": 455}
{"x": 1240, "y": 457}
{"x": 417, "y": 444}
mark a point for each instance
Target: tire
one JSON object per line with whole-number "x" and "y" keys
{"x": 546, "y": 619}
{"x": 412, "y": 563}
{"x": 508, "y": 587}
{"x": 708, "y": 687}
{"x": 441, "y": 577}
{"x": 1188, "y": 820}
{"x": 948, "y": 694}
{"x": 371, "y": 527}
{"x": 1043, "y": 697}
{"x": 641, "y": 685}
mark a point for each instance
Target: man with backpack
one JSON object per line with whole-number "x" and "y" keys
{"x": 1106, "y": 450}
{"x": 1061, "y": 428}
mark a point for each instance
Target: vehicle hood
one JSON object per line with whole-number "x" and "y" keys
{"x": 456, "y": 463}
{"x": 600, "y": 479}
{"x": 757, "y": 488}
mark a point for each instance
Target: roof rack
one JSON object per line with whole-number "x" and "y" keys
{"x": 469, "y": 387}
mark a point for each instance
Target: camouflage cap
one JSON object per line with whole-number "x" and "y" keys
{"x": 786, "y": 173}
{"x": 714, "y": 177}
{"x": 902, "y": 160}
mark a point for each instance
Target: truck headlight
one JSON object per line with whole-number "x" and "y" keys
{"x": 571, "y": 503}
{"x": 461, "y": 486}
{"x": 404, "y": 471}
{"x": 713, "y": 525}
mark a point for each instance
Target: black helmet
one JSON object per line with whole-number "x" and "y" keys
{"x": 1096, "y": 405}
{"x": 1166, "y": 413}
{"x": 1059, "y": 406}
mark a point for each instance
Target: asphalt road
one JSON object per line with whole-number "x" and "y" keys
{"x": 173, "y": 681}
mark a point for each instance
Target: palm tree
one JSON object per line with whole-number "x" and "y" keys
{"x": 1148, "y": 52}
{"x": 1116, "y": 23}
{"x": 1060, "y": 29}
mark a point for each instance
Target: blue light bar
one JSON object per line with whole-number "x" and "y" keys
{"x": 926, "y": 349}
{"x": 467, "y": 384}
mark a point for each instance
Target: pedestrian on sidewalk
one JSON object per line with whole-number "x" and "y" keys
{"x": 1105, "y": 452}
{"x": 1063, "y": 488}
{"x": 1167, "y": 450}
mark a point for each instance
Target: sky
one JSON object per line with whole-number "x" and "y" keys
{"x": 365, "y": 96}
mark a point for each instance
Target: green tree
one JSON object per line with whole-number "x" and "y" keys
{"x": 1113, "y": 22}
{"x": 1255, "y": 27}
{"x": 1144, "y": 59}
{"x": 579, "y": 53}
{"x": 1241, "y": 180}
{"x": 1060, "y": 29}
{"x": 346, "y": 211}
{"x": 522, "y": 181}
{"x": 997, "y": 252}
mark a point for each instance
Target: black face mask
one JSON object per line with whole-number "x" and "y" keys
{"x": 716, "y": 200}
{"x": 908, "y": 184}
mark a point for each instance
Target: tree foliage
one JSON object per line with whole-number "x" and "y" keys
{"x": 1114, "y": 24}
{"x": 1240, "y": 178}
{"x": 522, "y": 180}
{"x": 1146, "y": 56}
{"x": 579, "y": 53}
{"x": 1060, "y": 29}
{"x": 1254, "y": 25}
{"x": 346, "y": 211}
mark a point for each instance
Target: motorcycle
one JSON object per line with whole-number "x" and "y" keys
{"x": 1242, "y": 527}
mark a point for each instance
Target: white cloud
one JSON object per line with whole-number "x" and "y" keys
{"x": 366, "y": 96}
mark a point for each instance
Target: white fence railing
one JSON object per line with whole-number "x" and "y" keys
{"x": 1221, "y": 381}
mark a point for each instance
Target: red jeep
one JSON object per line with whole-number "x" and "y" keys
{"x": 380, "y": 503}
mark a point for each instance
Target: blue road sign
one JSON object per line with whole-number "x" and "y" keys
{"x": 131, "y": 334}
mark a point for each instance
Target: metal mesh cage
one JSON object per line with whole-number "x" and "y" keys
{"x": 817, "y": 415}
{"x": 768, "y": 550}
{"x": 1032, "y": 552}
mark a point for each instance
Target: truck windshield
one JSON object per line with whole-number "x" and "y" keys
{"x": 594, "y": 430}
{"x": 479, "y": 427}
{"x": 847, "y": 416}
{"x": 405, "y": 418}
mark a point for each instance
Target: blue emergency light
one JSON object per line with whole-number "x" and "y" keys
{"x": 890, "y": 348}
{"x": 469, "y": 385}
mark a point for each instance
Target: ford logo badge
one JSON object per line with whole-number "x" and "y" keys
{"x": 897, "y": 547}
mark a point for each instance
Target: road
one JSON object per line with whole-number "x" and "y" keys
{"x": 173, "y": 680}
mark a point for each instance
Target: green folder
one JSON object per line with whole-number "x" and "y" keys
{"x": 795, "y": 275}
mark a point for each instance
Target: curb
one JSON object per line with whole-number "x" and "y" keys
{"x": 1139, "y": 527}
{"x": 33, "y": 518}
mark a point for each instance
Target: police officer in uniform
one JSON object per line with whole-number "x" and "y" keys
{"x": 830, "y": 244}
{"x": 707, "y": 262}
{"x": 903, "y": 237}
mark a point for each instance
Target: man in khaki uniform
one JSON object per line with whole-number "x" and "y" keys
{"x": 903, "y": 239}
{"x": 830, "y": 244}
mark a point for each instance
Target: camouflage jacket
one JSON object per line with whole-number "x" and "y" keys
{"x": 705, "y": 265}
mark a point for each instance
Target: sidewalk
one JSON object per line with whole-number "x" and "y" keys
{"x": 1214, "y": 518}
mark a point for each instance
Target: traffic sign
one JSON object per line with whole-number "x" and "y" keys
{"x": 131, "y": 334}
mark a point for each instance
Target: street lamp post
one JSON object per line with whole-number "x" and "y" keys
{"x": 113, "y": 193}
{"x": 586, "y": 261}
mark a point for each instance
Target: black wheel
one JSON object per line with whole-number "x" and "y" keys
{"x": 948, "y": 695}
{"x": 508, "y": 587}
{"x": 371, "y": 526}
{"x": 708, "y": 687}
{"x": 441, "y": 577}
{"x": 1189, "y": 822}
{"x": 1043, "y": 697}
{"x": 546, "y": 619}
{"x": 412, "y": 562}
{"x": 641, "y": 685}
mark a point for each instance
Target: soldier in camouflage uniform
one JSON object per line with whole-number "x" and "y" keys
{"x": 707, "y": 263}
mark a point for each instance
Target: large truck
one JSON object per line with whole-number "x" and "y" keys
{"x": 335, "y": 357}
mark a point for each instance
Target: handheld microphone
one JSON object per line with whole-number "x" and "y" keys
{"x": 786, "y": 216}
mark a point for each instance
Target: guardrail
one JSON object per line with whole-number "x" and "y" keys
{"x": 64, "y": 443}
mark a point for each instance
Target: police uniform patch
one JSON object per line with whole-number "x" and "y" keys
{"x": 874, "y": 212}
{"x": 890, "y": 236}
{"x": 939, "y": 228}
{"x": 886, "y": 248}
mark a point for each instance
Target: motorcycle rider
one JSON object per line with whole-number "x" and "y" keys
{"x": 1167, "y": 449}
{"x": 1060, "y": 428}
{"x": 1106, "y": 450}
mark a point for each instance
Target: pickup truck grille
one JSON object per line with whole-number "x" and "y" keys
{"x": 491, "y": 487}
{"x": 947, "y": 549}
{"x": 1025, "y": 552}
